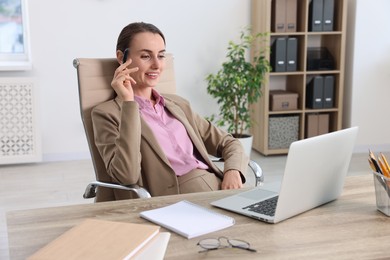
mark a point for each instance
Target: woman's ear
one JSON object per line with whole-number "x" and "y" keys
{"x": 119, "y": 56}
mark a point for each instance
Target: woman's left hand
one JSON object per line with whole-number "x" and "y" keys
{"x": 231, "y": 180}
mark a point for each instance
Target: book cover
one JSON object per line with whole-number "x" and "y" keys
{"x": 98, "y": 239}
{"x": 188, "y": 219}
{"x": 155, "y": 249}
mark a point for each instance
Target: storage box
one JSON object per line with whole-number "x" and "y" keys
{"x": 316, "y": 124}
{"x": 382, "y": 193}
{"x": 282, "y": 131}
{"x": 281, "y": 100}
{"x": 319, "y": 58}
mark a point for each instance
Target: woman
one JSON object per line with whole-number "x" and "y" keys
{"x": 156, "y": 140}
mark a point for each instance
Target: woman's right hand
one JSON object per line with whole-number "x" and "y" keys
{"x": 122, "y": 81}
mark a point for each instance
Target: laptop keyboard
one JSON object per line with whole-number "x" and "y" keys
{"x": 265, "y": 207}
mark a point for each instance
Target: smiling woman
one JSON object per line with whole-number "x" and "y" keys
{"x": 14, "y": 39}
{"x": 155, "y": 140}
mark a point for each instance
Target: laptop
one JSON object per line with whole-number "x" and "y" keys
{"x": 314, "y": 175}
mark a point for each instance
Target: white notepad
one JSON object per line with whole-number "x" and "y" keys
{"x": 188, "y": 219}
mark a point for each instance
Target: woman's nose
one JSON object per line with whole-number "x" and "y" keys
{"x": 156, "y": 62}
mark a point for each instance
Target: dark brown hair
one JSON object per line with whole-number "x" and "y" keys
{"x": 127, "y": 34}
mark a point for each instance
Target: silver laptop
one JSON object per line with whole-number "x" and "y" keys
{"x": 314, "y": 174}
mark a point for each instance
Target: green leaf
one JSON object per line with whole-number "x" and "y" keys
{"x": 238, "y": 83}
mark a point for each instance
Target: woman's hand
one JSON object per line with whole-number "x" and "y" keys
{"x": 122, "y": 81}
{"x": 231, "y": 180}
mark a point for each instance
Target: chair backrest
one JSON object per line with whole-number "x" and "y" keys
{"x": 94, "y": 82}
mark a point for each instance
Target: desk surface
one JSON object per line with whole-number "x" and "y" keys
{"x": 349, "y": 227}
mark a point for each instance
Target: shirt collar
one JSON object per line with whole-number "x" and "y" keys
{"x": 144, "y": 102}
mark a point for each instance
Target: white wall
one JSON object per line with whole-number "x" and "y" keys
{"x": 368, "y": 73}
{"x": 197, "y": 33}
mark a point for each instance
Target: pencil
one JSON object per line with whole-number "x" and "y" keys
{"x": 371, "y": 164}
{"x": 383, "y": 168}
{"x": 371, "y": 154}
{"x": 374, "y": 162}
{"x": 385, "y": 162}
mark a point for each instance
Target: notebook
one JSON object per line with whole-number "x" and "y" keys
{"x": 99, "y": 239}
{"x": 155, "y": 249}
{"x": 188, "y": 219}
{"x": 314, "y": 175}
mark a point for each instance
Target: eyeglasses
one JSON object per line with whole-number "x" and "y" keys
{"x": 215, "y": 243}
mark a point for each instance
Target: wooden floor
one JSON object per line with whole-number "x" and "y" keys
{"x": 51, "y": 184}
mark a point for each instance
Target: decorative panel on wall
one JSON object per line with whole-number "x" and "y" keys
{"x": 19, "y": 129}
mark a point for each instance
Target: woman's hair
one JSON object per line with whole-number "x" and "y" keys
{"x": 127, "y": 34}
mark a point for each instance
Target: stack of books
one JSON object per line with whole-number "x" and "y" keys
{"x": 100, "y": 239}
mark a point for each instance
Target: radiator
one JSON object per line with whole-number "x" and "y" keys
{"x": 20, "y": 140}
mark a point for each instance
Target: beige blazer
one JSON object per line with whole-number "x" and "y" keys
{"x": 132, "y": 154}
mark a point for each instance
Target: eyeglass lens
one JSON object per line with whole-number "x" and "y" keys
{"x": 212, "y": 243}
{"x": 209, "y": 243}
{"x": 238, "y": 243}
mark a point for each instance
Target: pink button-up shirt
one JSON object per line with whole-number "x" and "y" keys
{"x": 171, "y": 135}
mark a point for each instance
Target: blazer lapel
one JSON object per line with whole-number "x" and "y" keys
{"x": 148, "y": 136}
{"x": 179, "y": 114}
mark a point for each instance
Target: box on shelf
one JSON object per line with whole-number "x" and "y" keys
{"x": 320, "y": 92}
{"x": 282, "y": 131}
{"x": 319, "y": 58}
{"x": 281, "y": 100}
{"x": 316, "y": 124}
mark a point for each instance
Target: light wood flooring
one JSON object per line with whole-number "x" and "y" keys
{"x": 40, "y": 185}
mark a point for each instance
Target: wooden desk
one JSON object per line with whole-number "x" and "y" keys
{"x": 350, "y": 227}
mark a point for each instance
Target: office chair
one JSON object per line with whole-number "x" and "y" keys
{"x": 94, "y": 83}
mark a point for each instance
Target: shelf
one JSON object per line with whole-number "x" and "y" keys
{"x": 315, "y": 72}
{"x": 297, "y": 81}
{"x": 324, "y": 33}
{"x": 285, "y": 112}
{"x": 286, "y": 73}
{"x": 272, "y": 34}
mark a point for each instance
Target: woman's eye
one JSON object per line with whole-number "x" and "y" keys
{"x": 161, "y": 56}
{"x": 145, "y": 57}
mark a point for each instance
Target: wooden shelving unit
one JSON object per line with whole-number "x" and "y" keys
{"x": 296, "y": 81}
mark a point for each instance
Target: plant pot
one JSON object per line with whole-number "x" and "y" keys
{"x": 246, "y": 141}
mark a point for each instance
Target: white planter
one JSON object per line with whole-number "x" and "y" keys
{"x": 247, "y": 144}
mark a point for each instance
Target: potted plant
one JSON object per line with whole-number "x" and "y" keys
{"x": 237, "y": 85}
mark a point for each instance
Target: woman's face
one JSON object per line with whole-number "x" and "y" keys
{"x": 147, "y": 51}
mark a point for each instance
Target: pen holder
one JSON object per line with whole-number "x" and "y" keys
{"x": 382, "y": 192}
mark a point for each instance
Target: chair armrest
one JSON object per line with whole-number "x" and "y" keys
{"x": 255, "y": 167}
{"x": 258, "y": 172}
{"x": 90, "y": 191}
